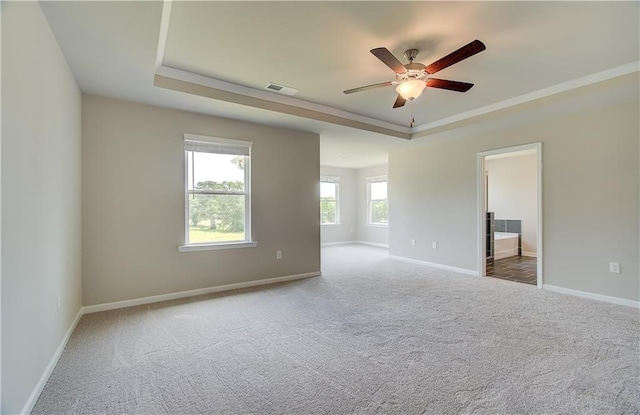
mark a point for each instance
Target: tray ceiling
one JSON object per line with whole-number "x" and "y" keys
{"x": 229, "y": 51}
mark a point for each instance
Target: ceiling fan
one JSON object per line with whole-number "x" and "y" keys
{"x": 412, "y": 78}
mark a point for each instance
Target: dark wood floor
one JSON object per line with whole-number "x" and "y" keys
{"x": 516, "y": 268}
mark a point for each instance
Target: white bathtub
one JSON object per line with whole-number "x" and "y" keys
{"x": 505, "y": 244}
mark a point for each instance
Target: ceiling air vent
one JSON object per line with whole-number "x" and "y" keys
{"x": 280, "y": 89}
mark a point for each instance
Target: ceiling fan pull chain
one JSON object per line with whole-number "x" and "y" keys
{"x": 413, "y": 120}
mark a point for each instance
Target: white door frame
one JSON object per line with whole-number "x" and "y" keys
{"x": 482, "y": 263}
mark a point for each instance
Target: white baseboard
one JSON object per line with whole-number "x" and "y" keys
{"x": 530, "y": 254}
{"x": 183, "y": 294}
{"x": 35, "y": 394}
{"x": 372, "y": 244}
{"x": 339, "y": 243}
{"x": 592, "y": 296}
{"x": 354, "y": 242}
{"x": 434, "y": 265}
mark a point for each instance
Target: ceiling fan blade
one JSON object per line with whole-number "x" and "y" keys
{"x": 450, "y": 85}
{"x": 399, "y": 102}
{"x": 456, "y": 56}
{"x": 388, "y": 59}
{"x": 364, "y": 88}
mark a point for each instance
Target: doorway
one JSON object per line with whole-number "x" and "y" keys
{"x": 510, "y": 214}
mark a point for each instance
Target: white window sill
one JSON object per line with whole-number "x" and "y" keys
{"x": 329, "y": 224}
{"x": 378, "y": 225}
{"x": 217, "y": 247}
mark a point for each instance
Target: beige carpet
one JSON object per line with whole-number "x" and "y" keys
{"x": 373, "y": 335}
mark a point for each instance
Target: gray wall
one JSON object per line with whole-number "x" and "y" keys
{"x": 133, "y": 203}
{"x": 347, "y": 229}
{"x": 41, "y": 253}
{"x": 372, "y": 234}
{"x": 590, "y": 197}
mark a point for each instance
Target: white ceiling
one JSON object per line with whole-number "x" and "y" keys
{"x": 534, "y": 49}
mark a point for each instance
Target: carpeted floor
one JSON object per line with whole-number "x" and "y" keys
{"x": 372, "y": 335}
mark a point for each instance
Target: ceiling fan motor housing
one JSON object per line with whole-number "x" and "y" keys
{"x": 415, "y": 71}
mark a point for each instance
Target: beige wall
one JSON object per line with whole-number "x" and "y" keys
{"x": 513, "y": 194}
{"x": 347, "y": 229}
{"x": 41, "y": 252}
{"x": 133, "y": 203}
{"x": 590, "y": 197}
{"x": 372, "y": 234}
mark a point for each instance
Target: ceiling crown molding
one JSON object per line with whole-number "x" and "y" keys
{"x": 522, "y": 99}
{"x": 190, "y": 83}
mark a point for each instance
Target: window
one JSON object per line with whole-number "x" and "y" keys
{"x": 329, "y": 204}
{"x": 218, "y": 190}
{"x": 377, "y": 206}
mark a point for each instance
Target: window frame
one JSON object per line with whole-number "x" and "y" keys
{"x": 247, "y": 242}
{"x": 335, "y": 180}
{"x": 370, "y": 180}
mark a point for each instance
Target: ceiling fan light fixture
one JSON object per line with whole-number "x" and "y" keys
{"x": 410, "y": 90}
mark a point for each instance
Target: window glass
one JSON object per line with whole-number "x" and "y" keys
{"x": 378, "y": 204}
{"x": 329, "y": 213}
{"x": 217, "y": 192}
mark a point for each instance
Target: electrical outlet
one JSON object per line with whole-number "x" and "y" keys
{"x": 614, "y": 267}
{"x": 434, "y": 245}
{"x": 413, "y": 242}
{"x": 58, "y": 303}
{"x": 278, "y": 254}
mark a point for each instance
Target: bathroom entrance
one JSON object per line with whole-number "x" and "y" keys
{"x": 510, "y": 214}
